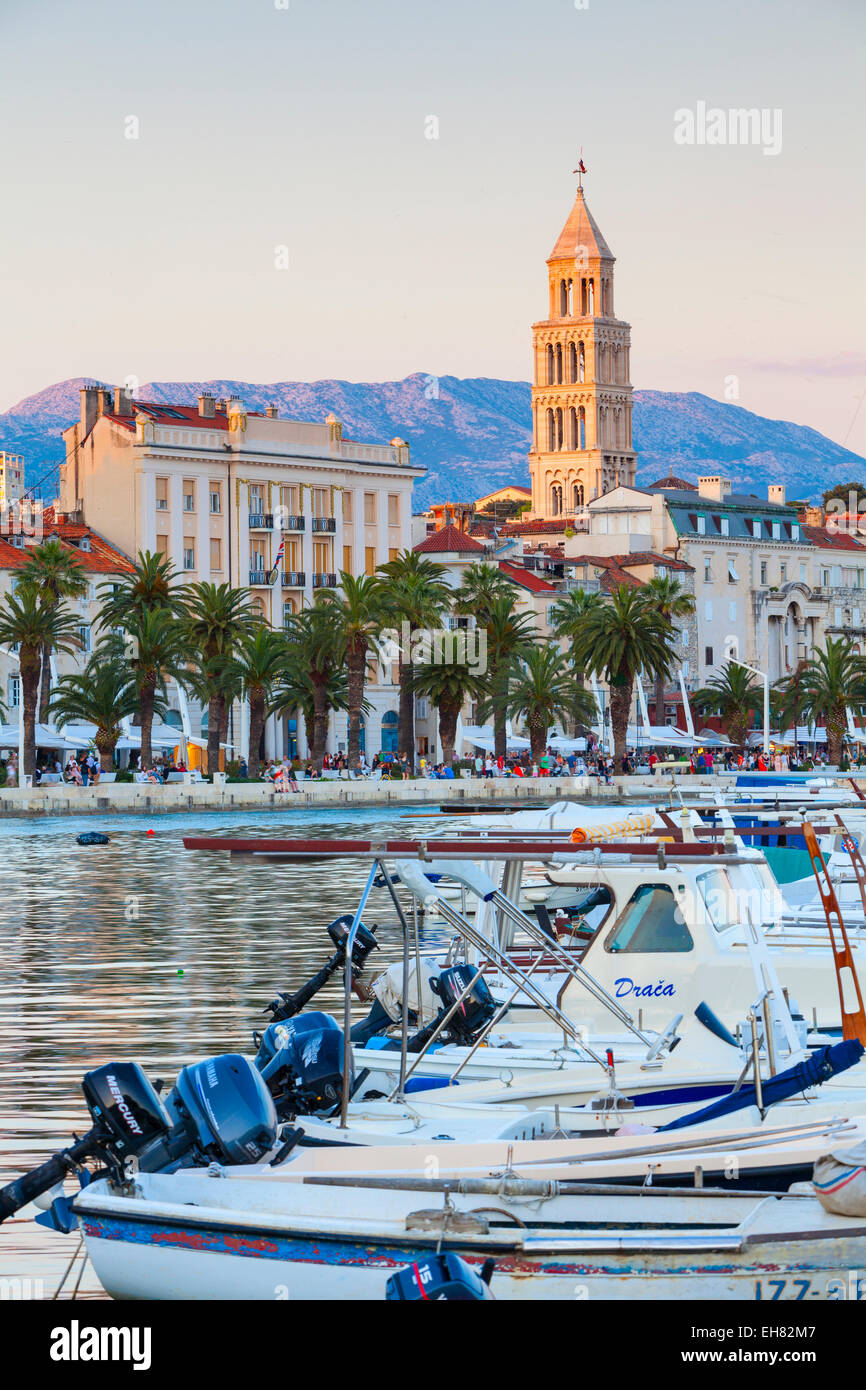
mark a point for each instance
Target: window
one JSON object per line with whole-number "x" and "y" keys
{"x": 422, "y": 707}
{"x": 347, "y": 559}
{"x": 763, "y": 571}
{"x": 733, "y": 577}
{"x": 708, "y": 656}
{"x": 162, "y": 494}
{"x": 347, "y": 506}
{"x": 84, "y": 636}
{"x": 783, "y": 572}
{"x": 393, "y": 509}
{"x": 651, "y": 922}
{"x": 14, "y": 692}
{"x": 837, "y": 617}
{"x": 825, "y": 579}
{"x": 216, "y": 501}
{"x": 795, "y": 531}
{"x": 685, "y": 636}
{"x": 702, "y": 525}
{"x": 802, "y": 574}
{"x": 708, "y": 609}
{"x": 756, "y": 530}
{"x": 370, "y": 559}
{"x": 836, "y": 576}
{"x": 216, "y": 559}
{"x": 257, "y": 499}
{"x": 393, "y": 553}
{"x": 719, "y": 898}
{"x": 708, "y": 569}
{"x": 321, "y": 501}
{"x": 725, "y": 526}
{"x": 188, "y": 553}
{"x": 370, "y": 508}
{"x": 289, "y": 499}
{"x": 257, "y": 556}
{"x": 777, "y": 531}
{"x": 162, "y": 545}
{"x": 188, "y": 495}
{"x": 855, "y": 617}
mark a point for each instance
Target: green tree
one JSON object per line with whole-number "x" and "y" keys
{"x": 103, "y": 694}
{"x": 833, "y": 682}
{"x": 58, "y": 573}
{"x": 509, "y": 635}
{"x": 156, "y": 650}
{"x": 215, "y": 619}
{"x": 260, "y": 661}
{"x": 567, "y": 617}
{"x": 540, "y": 690}
{"x": 149, "y": 584}
{"x": 447, "y": 685}
{"x": 417, "y": 595}
{"x": 671, "y": 601}
{"x": 734, "y": 693}
{"x": 359, "y": 612}
{"x": 624, "y": 635}
{"x": 479, "y": 586}
{"x": 31, "y": 625}
{"x": 315, "y": 648}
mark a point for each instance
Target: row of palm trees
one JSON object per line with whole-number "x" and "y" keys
{"x": 211, "y": 640}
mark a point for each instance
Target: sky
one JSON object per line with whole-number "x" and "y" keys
{"x": 278, "y": 190}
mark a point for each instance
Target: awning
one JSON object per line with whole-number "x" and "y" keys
{"x": 46, "y": 737}
{"x": 482, "y": 737}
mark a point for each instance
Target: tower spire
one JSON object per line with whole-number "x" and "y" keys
{"x": 580, "y": 170}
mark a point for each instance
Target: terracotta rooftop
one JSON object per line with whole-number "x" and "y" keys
{"x": 553, "y": 526}
{"x": 672, "y": 482}
{"x": 450, "y": 541}
{"x": 101, "y": 558}
{"x": 580, "y": 231}
{"x": 830, "y": 539}
{"x": 651, "y": 557}
{"x": 526, "y": 579}
{"x": 612, "y": 573}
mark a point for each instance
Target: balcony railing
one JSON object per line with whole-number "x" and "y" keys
{"x": 294, "y": 523}
{"x": 324, "y": 581}
{"x": 324, "y": 523}
{"x": 294, "y": 579}
{"x": 259, "y": 577}
{"x": 261, "y": 521}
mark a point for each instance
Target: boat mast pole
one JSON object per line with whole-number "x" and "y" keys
{"x": 347, "y": 1001}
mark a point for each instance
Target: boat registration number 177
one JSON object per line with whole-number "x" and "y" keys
{"x": 850, "y": 1286}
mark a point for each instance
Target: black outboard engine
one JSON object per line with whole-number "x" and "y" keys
{"x": 219, "y": 1109}
{"x": 472, "y": 1014}
{"x": 301, "y": 1063}
{"x": 445, "y": 1276}
{"x": 287, "y": 1005}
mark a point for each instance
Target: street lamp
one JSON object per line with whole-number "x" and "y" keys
{"x": 766, "y": 679}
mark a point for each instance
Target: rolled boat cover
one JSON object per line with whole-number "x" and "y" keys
{"x": 637, "y": 823}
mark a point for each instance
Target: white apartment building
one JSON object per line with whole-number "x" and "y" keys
{"x": 11, "y": 478}
{"x": 217, "y": 488}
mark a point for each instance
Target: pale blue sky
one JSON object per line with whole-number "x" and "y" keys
{"x": 305, "y": 127}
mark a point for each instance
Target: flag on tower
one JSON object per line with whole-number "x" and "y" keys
{"x": 273, "y": 573}
{"x": 581, "y": 167}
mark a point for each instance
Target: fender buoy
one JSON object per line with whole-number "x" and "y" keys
{"x": 92, "y": 837}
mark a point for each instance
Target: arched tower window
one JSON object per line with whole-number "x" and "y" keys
{"x": 559, "y": 429}
{"x": 559, "y": 363}
{"x": 570, "y": 298}
{"x": 556, "y": 500}
{"x": 581, "y": 363}
{"x": 551, "y": 432}
{"x": 583, "y": 296}
{"x": 572, "y": 362}
{"x": 578, "y": 497}
{"x": 581, "y": 428}
{"x": 572, "y": 428}
{"x": 590, "y": 288}
{"x": 550, "y": 364}
{"x": 563, "y": 299}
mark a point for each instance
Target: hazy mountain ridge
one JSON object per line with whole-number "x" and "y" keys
{"x": 472, "y": 434}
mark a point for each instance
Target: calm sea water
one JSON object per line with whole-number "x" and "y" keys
{"x": 141, "y": 950}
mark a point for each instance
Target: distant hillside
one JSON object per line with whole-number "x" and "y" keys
{"x": 472, "y": 434}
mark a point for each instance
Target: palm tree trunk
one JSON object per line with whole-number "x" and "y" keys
{"x": 620, "y": 708}
{"x": 448, "y": 716}
{"x": 406, "y": 724}
{"x": 537, "y": 738}
{"x": 356, "y": 671}
{"x": 45, "y": 685}
{"x": 105, "y": 745}
{"x": 257, "y": 724}
{"x": 216, "y": 711}
{"x": 320, "y": 723}
{"x": 146, "y": 695}
{"x": 29, "y": 694}
{"x": 835, "y": 735}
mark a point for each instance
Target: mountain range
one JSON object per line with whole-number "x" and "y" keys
{"x": 472, "y": 434}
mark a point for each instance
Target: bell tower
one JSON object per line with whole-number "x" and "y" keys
{"x": 581, "y": 387}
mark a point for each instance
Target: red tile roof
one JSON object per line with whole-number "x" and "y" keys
{"x": 612, "y": 573}
{"x": 651, "y": 557}
{"x": 830, "y": 540}
{"x": 171, "y": 415}
{"x": 101, "y": 558}
{"x": 526, "y": 579}
{"x": 673, "y": 483}
{"x": 450, "y": 541}
{"x": 533, "y": 528}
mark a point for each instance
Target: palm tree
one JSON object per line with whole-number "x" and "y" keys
{"x": 625, "y": 635}
{"x": 31, "y": 625}
{"x": 509, "y": 635}
{"x": 103, "y": 694}
{"x": 478, "y": 588}
{"x": 567, "y": 617}
{"x": 156, "y": 650}
{"x": 149, "y": 584}
{"x": 540, "y": 690}
{"x": 418, "y": 596}
{"x": 671, "y": 601}
{"x": 57, "y": 572}
{"x": 314, "y": 646}
{"x": 296, "y": 692}
{"x": 833, "y": 682}
{"x": 359, "y": 612}
{"x": 447, "y": 685}
{"x": 216, "y": 618}
{"x": 735, "y": 693}
{"x": 260, "y": 662}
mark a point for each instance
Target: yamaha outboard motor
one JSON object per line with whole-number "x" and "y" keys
{"x": 287, "y": 1005}
{"x": 445, "y": 1276}
{"x": 301, "y": 1063}
{"x": 471, "y": 1015}
{"x": 219, "y": 1109}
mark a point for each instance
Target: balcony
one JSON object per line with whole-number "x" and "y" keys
{"x": 261, "y": 521}
{"x": 258, "y": 579}
{"x": 324, "y": 581}
{"x": 294, "y": 523}
{"x": 325, "y": 523}
{"x": 294, "y": 579}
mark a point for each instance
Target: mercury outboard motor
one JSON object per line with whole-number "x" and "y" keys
{"x": 287, "y": 1005}
{"x": 219, "y": 1109}
{"x": 472, "y": 1014}
{"x": 445, "y": 1276}
{"x": 301, "y": 1063}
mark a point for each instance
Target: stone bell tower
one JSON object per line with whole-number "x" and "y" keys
{"x": 581, "y": 387}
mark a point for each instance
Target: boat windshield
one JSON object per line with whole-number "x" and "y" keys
{"x": 720, "y": 898}
{"x": 651, "y": 921}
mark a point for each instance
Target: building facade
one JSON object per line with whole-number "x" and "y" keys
{"x": 581, "y": 377}
{"x": 217, "y": 489}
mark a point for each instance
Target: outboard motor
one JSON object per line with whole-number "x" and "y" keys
{"x": 389, "y": 994}
{"x": 287, "y": 1005}
{"x": 473, "y": 1013}
{"x": 301, "y": 1063}
{"x": 219, "y": 1109}
{"x": 444, "y": 1276}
